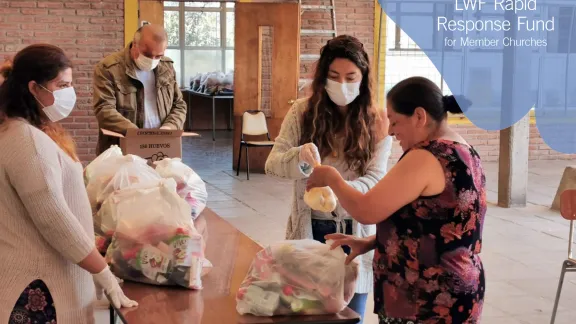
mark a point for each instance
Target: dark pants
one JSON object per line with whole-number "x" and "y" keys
{"x": 321, "y": 228}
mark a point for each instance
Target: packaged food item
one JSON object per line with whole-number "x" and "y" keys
{"x": 189, "y": 185}
{"x": 302, "y": 277}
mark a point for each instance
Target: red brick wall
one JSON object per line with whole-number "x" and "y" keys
{"x": 487, "y": 144}
{"x": 354, "y": 18}
{"x": 87, "y": 30}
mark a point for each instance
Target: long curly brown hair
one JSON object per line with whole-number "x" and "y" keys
{"x": 360, "y": 126}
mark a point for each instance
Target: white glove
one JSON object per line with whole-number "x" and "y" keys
{"x": 309, "y": 154}
{"x": 106, "y": 282}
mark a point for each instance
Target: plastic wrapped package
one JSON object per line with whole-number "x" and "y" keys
{"x": 189, "y": 184}
{"x": 117, "y": 173}
{"x": 213, "y": 83}
{"x": 195, "y": 82}
{"x": 113, "y": 151}
{"x": 155, "y": 241}
{"x": 202, "y": 86}
{"x": 228, "y": 83}
{"x": 302, "y": 277}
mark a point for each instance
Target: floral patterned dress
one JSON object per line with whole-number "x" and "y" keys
{"x": 35, "y": 306}
{"x": 426, "y": 264}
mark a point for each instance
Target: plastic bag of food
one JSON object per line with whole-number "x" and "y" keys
{"x": 195, "y": 82}
{"x": 302, "y": 277}
{"x": 105, "y": 219}
{"x": 113, "y": 151}
{"x": 103, "y": 173}
{"x": 117, "y": 173}
{"x": 155, "y": 240}
{"x": 189, "y": 184}
{"x": 213, "y": 83}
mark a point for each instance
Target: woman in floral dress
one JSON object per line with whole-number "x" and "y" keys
{"x": 429, "y": 210}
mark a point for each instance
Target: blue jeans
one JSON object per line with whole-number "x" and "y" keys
{"x": 321, "y": 228}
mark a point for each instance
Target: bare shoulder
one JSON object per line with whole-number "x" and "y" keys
{"x": 418, "y": 157}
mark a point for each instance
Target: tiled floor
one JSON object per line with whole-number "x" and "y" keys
{"x": 523, "y": 247}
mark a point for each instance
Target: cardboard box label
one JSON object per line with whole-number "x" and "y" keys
{"x": 151, "y": 144}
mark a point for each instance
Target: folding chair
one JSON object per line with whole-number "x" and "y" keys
{"x": 253, "y": 124}
{"x": 568, "y": 211}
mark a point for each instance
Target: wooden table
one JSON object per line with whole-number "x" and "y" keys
{"x": 231, "y": 253}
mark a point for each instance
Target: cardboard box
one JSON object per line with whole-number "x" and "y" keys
{"x": 151, "y": 144}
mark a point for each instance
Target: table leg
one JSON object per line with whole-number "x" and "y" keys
{"x": 231, "y": 120}
{"x": 189, "y": 111}
{"x": 112, "y": 315}
{"x": 213, "y": 119}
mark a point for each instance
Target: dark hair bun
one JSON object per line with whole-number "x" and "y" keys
{"x": 455, "y": 104}
{"x": 6, "y": 68}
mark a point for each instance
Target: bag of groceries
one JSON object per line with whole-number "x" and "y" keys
{"x": 300, "y": 277}
{"x": 115, "y": 174}
{"x": 189, "y": 184}
{"x": 113, "y": 151}
{"x": 154, "y": 240}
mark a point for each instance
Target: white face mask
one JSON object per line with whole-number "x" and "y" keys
{"x": 64, "y": 101}
{"x": 145, "y": 63}
{"x": 342, "y": 94}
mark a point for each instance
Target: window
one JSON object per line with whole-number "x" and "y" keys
{"x": 405, "y": 59}
{"x": 200, "y": 37}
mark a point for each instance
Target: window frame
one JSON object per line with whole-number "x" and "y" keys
{"x": 182, "y": 9}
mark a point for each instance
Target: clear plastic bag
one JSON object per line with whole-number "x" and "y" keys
{"x": 106, "y": 218}
{"x": 302, "y": 277}
{"x": 155, "y": 241}
{"x": 104, "y": 173}
{"x": 189, "y": 184}
{"x": 113, "y": 151}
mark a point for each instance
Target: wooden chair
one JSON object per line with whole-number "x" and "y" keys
{"x": 568, "y": 211}
{"x": 253, "y": 124}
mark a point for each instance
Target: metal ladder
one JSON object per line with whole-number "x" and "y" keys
{"x": 310, "y": 32}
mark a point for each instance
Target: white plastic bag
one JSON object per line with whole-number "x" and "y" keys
{"x": 155, "y": 240}
{"x": 107, "y": 177}
{"x": 189, "y": 184}
{"x": 113, "y": 151}
{"x": 301, "y": 277}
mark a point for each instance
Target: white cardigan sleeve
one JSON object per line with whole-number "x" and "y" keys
{"x": 377, "y": 167}
{"x": 284, "y": 159}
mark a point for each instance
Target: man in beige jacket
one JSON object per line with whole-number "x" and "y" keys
{"x": 137, "y": 88}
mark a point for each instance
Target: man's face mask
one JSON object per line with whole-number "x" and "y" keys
{"x": 145, "y": 63}
{"x": 64, "y": 101}
{"x": 342, "y": 94}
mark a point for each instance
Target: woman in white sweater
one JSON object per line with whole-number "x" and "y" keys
{"x": 339, "y": 125}
{"x": 49, "y": 266}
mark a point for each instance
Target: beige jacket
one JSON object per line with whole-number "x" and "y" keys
{"x": 119, "y": 96}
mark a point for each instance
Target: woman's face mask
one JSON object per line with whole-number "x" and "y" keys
{"x": 64, "y": 101}
{"x": 342, "y": 94}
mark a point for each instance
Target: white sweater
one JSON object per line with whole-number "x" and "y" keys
{"x": 45, "y": 223}
{"x": 283, "y": 162}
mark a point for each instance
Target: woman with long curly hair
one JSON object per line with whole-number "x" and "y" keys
{"x": 50, "y": 266}
{"x": 338, "y": 125}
